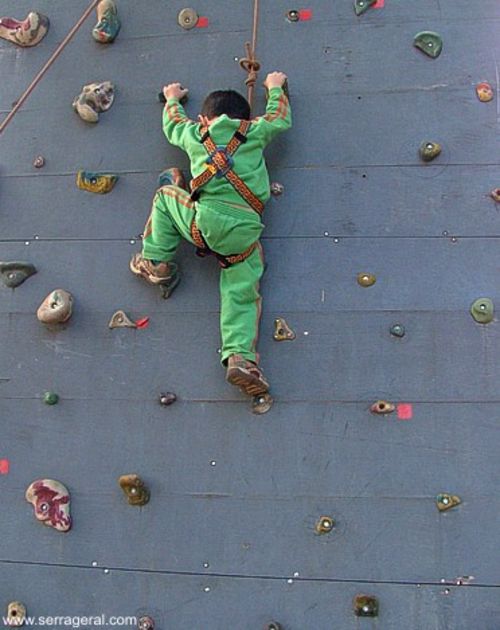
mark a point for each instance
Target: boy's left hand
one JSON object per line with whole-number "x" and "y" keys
{"x": 175, "y": 90}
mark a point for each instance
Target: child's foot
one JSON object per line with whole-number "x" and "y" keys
{"x": 165, "y": 274}
{"x": 246, "y": 375}
{"x": 172, "y": 177}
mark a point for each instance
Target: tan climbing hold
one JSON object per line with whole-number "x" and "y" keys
{"x": 447, "y": 501}
{"x": 382, "y": 407}
{"x": 51, "y": 503}
{"x": 262, "y": 403}
{"x": 135, "y": 489}
{"x": 324, "y": 525}
{"x": 16, "y": 614}
{"x": 187, "y": 18}
{"x": 121, "y": 320}
{"x": 366, "y": 279}
{"x": 484, "y": 92}
{"x": 282, "y": 331}
{"x": 56, "y": 308}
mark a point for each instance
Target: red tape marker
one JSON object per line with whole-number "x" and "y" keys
{"x": 142, "y": 323}
{"x": 4, "y": 466}
{"x": 202, "y": 22}
{"x": 405, "y": 411}
{"x": 379, "y": 4}
{"x": 305, "y": 14}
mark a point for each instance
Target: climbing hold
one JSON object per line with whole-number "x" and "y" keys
{"x": 482, "y": 310}
{"x": 282, "y": 331}
{"x": 398, "y": 330}
{"x": 293, "y": 15}
{"x": 360, "y": 6}
{"x": 100, "y": 183}
{"x": 94, "y": 99}
{"x": 27, "y": 32}
{"x": 172, "y": 177}
{"x": 429, "y": 43}
{"x": 167, "y": 399}
{"x": 366, "y": 279}
{"x": 108, "y": 24}
{"x": 273, "y": 625}
{"x": 382, "y": 407}
{"x": 324, "y": 525}
{"x": 447, "y": 501}
{"x": 495, "y": 194}
{"x": 50, "y": 398}
{"x": 15, "y": 273}
{"x": 121, "y": 320}
{"x": 429, "y": 150}
{"x": 134, "y": 488}
{"x": 56, "y": 308}
{"x": 484, "y": 92}
{"x": 16, "y": 614}
{"x": 187, "y": 18}
{"x": 51, "y": 502}
{"x": 39, "y": 161}
{"x": 277, "y": 189}
{"x": 146, "y": 623}
{"x": 365, "y": 606}
{"x": 262, "y": 403}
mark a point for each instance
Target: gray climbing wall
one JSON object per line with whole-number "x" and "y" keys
{"x": 227, "y": 540}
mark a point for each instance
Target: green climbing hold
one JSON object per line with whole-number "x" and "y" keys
{"x": 50, "y": 398}
{"x": 482, "y": 310}
{"x": 429, "y": 43}
{"x": 360, "y": 6}
{"x": 15, "y": 273}
{"x": 429, "y": 150}
{"x": 398, "y": 330}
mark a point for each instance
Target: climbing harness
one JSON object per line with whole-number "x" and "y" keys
{"x": 202, "y": 249}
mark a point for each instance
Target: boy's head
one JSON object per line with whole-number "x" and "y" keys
{"x": 226, "y": 102}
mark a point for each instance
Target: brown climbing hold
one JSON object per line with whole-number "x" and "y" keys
{"x": 293, "y": 15}
{"x": 27, "y": 32}
{"x": 121, "y": 320}
{"x": 366, "y": 279}
{"x": 56, "y": 308}
{"x": 484, "y": 92}
{"x": 94, "y": 99}
{"x": 262, "y": 403}
{"x": 277, "y": 189}
{"x": 429, "y": 150}
{"x": 51, "y": 502}
{"x": 365, "y": 606}
{"x": 273, "y": 625}
{"x": 15, "y": 273}
{"x": 447, "y": 501}
{"x": 495, "y": 194}
{"x": 167, "y": 399}
{"x": 146, "y": 623}
{"x": 16, "y": 614}
{"x": 382, "y": 407}
{"x": 187, "y": 18}
{"x": 324, "y": 525}
{"x": 282, "y": 331}
{"x": 135, "y": 489}
{"x": 39, "y": 161}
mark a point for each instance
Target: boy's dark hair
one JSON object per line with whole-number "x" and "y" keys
{"x": 228, "y": 102}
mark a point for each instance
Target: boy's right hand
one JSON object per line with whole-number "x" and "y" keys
{"x": 175, "y": 90}
{"x": 275, "y": 79}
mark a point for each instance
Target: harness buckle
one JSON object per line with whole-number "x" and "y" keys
{"x": 214, "y": 167}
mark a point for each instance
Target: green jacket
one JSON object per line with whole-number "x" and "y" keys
{"x": 249, "y": 163}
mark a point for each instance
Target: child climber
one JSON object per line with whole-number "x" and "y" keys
{"x": 221, "y": 214}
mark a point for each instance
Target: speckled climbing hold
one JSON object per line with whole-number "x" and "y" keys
{"x": 187, "y": 18}
{"x": 293, "y": 15}
{"x": 262, "y": 403}
{"x": 365, "y": 606}
{"x": 27, "y": 32}
{"x": 39, "y": 161}
{"x": 447, "y": 501}
{"x": 135, "y": 489}
{"x": 282, "y": 331}
{"x": 429, "y": 43}
{"x": 100, "y": 183}
{"x": 484, "y": 92}
{"x": 366, "y": 279}
{"x": 51, "y": 502}
{"x": 324, "y": 525}
{"x": 167, "y": 399}
{"x": 16, "y": 614}
{"x": 121, "y": 320}
{"x": 495, "y": 194}
{"x": 108, "y": 24}
{"x": 398, "y": 330}
{"x": 382, "y": 407}
{"x": 429, "y": 150}
{"x": 482, "y": 310}
{"x": 277, "y": 189}
{"x": 273, "y": 625}
{"x": 15, "y": 273}
{"x": 94, "y": 99}
{"x": 360, "y": 6}
{"x": 56, "y": 308}
{"x": 50, "y": 398}
{"x": 146, "y": 623}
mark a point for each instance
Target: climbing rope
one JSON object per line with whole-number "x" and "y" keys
{"x": 50, "y": 61}
{"x": 250, "y": 63}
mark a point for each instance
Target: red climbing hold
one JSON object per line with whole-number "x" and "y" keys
{"x": 142, "y": 323}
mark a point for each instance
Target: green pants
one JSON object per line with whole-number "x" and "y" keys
{"x": 227, "y": 230}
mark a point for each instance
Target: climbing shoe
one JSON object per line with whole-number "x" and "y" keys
{"x": 165, "y": 274}
{"x": 172, "y": 177}
{"x": 246, "y": 375}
